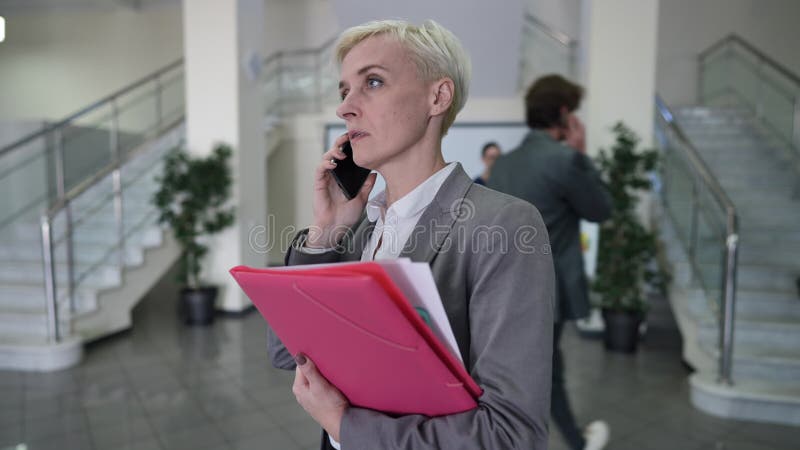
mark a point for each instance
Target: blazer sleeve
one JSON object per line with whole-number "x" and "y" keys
{"x": 585, "y": 190}
{"x": 278, "y": 354}
{"x": 511, "y": 330}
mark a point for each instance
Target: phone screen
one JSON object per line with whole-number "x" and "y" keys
{"x": 348, "y": 175}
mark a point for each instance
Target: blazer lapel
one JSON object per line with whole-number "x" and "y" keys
{"x": 437, "y": 221}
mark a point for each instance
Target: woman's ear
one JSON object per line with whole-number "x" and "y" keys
{"x": 442, "y": 96}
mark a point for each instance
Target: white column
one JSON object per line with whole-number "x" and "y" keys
{"x": 620, "y": 38}
{"x": 224, "y": 104}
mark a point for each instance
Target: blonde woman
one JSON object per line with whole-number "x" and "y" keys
{"x": 401, "y": 87}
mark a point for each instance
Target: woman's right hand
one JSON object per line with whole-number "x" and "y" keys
{"x": 334, "y": 214}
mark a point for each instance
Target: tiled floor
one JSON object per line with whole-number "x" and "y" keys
{"x": 166, "y": 386}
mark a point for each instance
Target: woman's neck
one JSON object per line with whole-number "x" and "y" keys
{"x": 411, "y": 169}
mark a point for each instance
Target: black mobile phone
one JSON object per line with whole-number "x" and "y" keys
{"x": 348, "y": 175}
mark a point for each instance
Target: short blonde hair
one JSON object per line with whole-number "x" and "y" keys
{"x": 435, "y": 50}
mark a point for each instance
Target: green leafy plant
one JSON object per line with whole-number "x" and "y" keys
{"x": 193, "y": 201}
{"x": 626, "y": 259}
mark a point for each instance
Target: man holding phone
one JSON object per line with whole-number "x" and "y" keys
{"x": 550, "y": 169}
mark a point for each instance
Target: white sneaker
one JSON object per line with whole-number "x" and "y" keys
{"x": 596, "y": 435}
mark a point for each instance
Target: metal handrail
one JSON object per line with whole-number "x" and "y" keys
{"x": 557, "y": 35}
{"x": 87, "y": 109}
{"x": 702, "y": 172}
{"x": 697, "y": 161}
{"x": 733, "y": 37}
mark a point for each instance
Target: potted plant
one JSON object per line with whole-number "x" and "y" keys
{"x": 193, "y": 200}
{"x": 626, "y": 261}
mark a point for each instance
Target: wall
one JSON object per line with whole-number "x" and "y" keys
{"x": 297, "y": 24}
{"x": 53, "y": 63}
{"x": 621, "y": 65}
{"x": 687, "y": 27}
{"x": 489, "y": 31}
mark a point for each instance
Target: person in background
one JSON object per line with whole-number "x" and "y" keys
{"x": 401, "y": 87}
{"x": 550, "y": 169}
{"x": 489, "y": 155}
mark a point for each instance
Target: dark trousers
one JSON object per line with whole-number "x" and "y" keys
{"x": 559, "y": 403}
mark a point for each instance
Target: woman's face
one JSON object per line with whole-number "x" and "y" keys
{"x": 385, "y": 104}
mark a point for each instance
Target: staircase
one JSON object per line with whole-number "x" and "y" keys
{"x": 758, "y": 175}
{"x": 104, "y": 291}
{"x": 103, "y": 242}
{"x": 106, "y": 282}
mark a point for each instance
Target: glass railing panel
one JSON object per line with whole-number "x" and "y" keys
{"x": 173, "y": 104}
{"x": 137, "y": 116}
{"x": 695, "y": 213}
{"x": 270, "y": 87}
{"x": 86, "y": 144}
{"x": 709, "y": 246}
{"x": 139, "y": 186}
{"x": 678, "y": 190}
{"x": 778, "y": 108}
{"x": 94, "y": 240}
{"x": 744, "y": 78}
{"x": 542, "y": 55}
{"x": 715, "y": 78}
{"x": 299, "y": 81}
{"x": 23, "y": 183}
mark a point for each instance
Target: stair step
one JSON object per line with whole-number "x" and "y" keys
{"x": 780, "y": 336}
{"x": 87, "y": 254}
{"x": 751, "y": 278}
{"x": 102, "y": 221}
{"x": 103, "y": 276}
{"x": 769, "y": 311}
{"x": 764, "y": 363}
{"x": 752, "y": 256}
{"x": 750, "y": 306}
{"x": 29, "y": 324}
{"x": 32, "y": 298}
{"x": 747, "y": 399}
{"x": 147, "y": 236}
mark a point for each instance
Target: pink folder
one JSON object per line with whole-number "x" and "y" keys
{"x": 365, "y": 338}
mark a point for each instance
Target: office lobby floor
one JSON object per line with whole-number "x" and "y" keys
{"x": 163, "y": 385}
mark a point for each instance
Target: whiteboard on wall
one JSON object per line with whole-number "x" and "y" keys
{"x": 463, "y": 143}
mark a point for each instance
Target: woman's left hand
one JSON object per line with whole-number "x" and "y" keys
{"x": 318, "y": 397}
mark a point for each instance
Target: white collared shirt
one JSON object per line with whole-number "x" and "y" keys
{"x": 394, "y": 225}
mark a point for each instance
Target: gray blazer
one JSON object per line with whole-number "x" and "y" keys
{"x": 491, "y": 261}
{"x": 565, "y": 187}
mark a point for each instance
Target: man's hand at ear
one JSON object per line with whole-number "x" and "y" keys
{"x": 575, "y": 133}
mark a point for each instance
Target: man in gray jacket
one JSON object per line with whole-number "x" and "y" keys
{"x": 550, "y": 169}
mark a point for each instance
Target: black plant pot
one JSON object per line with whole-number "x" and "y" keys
{"x": 196, "y": 306}
{"x": 621, "y": 332}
